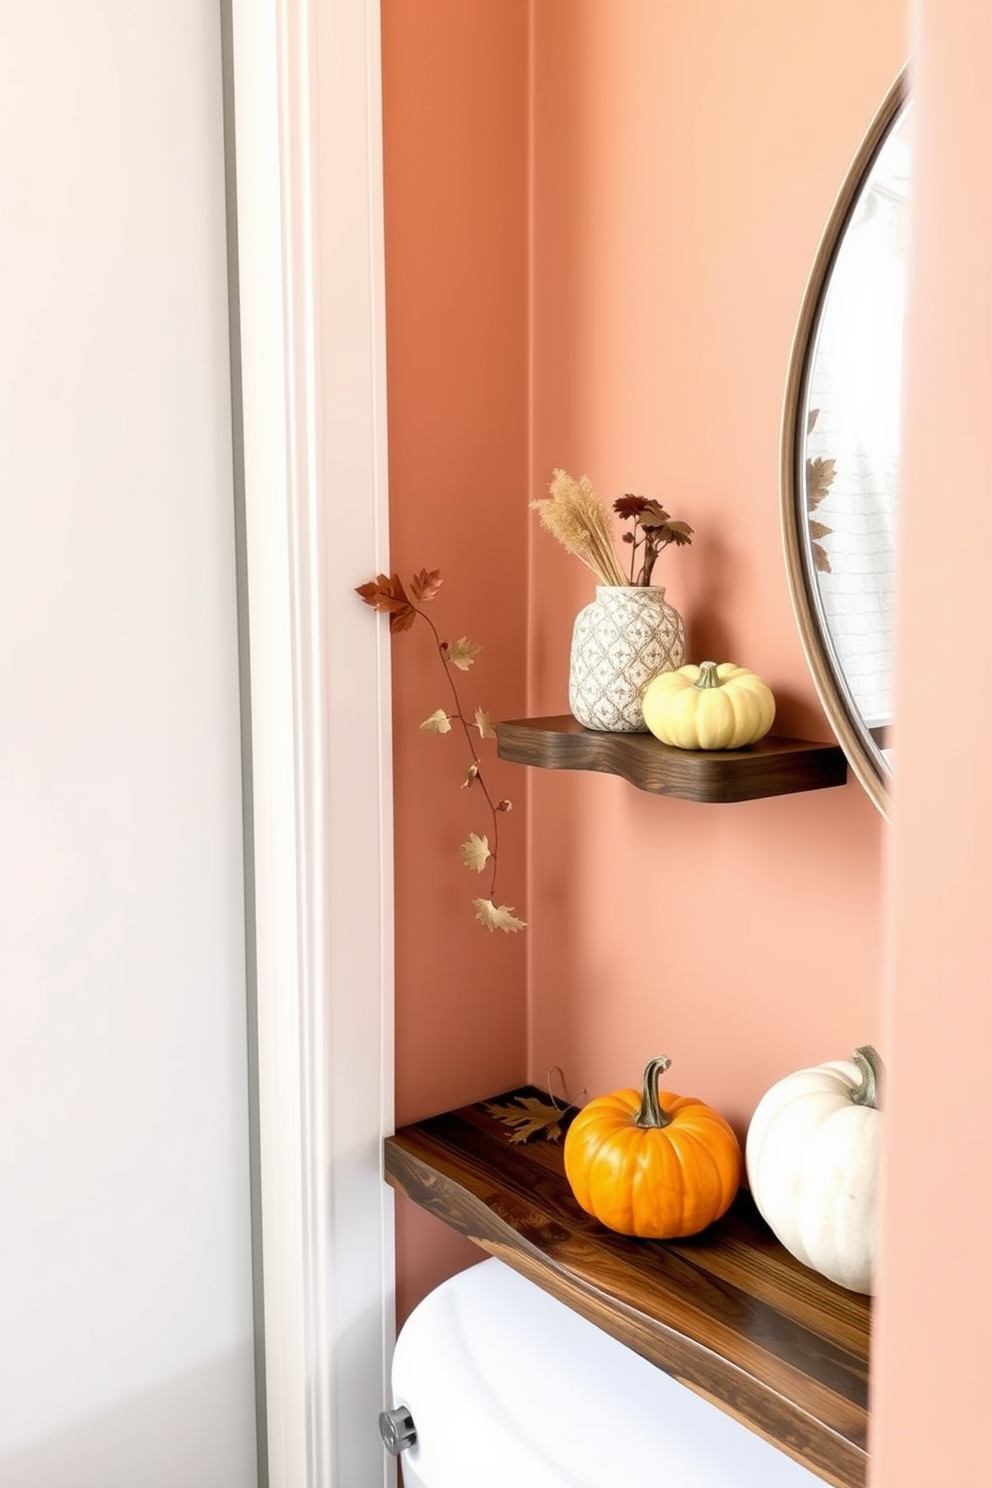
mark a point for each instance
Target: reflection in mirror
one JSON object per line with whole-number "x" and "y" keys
{"x": 841, "y": 448}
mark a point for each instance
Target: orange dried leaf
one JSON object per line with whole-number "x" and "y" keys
{"x": 425, "y": 586}
{"x": 388, "y": 595}
{"x": 377, "y": 593}
{"x": 402, "y": 620}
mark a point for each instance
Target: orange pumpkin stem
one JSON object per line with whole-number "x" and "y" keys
{"x": 651, "y": 1113}
{"x": 870, "y": 1067}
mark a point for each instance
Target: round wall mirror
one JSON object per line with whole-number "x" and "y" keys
{"x": 841, "y": 448}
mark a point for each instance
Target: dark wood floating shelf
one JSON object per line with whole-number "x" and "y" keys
{"x": 728, "y": 1312}
{"x": 772, "y": 767}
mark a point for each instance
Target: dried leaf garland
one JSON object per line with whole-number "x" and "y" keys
{"x": 404, "y": 605}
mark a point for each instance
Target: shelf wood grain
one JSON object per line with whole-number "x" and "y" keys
{"x": 772, "y": 767}
{"x": 729, "y": 1313}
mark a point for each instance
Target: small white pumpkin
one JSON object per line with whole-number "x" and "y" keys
{"x": 813, "y": 1155}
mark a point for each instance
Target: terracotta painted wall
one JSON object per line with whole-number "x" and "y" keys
{"x": 686, "y": 158}
{"x": 455, "y": 175}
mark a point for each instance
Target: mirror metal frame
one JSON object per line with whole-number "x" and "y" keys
{"x": 863, "y": 757}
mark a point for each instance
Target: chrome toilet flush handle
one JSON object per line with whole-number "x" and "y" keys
{"x": 397, "y": 1430}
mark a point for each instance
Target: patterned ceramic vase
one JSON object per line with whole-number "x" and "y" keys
{"x": 620, "y": 641}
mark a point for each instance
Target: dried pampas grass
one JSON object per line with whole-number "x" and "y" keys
{"x": 576, "y": 516}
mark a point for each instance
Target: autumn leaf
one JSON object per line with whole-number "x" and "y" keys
{"x": 529, "y": 1116}
{"x": 818, "y": 531}
{"x": 819, "y": 478}
{"x": 438, "y": 723}
{"x": 462, "y": 653}
{"x": 811, "y": 419}
{"x": 426, "y": 586}
{"x": 377, "y": 592}
{"x": 475, "y": 852}
{"x": 501, "y": 918}
{"x": 656, "y": 519}
{"x": 679, "y": 533}
{"x": 484, "y": 725}
{"x": 387, "y": 594}
{"x": 820, "y": 560}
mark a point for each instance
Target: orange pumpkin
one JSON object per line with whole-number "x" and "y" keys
{"x": 650, "y": 1163}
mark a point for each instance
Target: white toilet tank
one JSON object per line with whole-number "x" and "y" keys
{"x": 508, "y": 1388}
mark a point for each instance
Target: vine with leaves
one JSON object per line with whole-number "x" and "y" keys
{"x": 405, "y": 606}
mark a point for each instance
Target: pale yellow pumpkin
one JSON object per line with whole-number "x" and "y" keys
{"x": 709, "y": 706}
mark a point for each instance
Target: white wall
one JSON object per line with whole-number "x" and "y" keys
{"x": 125, "y": 1296}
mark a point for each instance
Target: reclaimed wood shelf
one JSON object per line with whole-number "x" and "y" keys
{"x": 772, "y": 767}
{"x": 729, "y": 1313}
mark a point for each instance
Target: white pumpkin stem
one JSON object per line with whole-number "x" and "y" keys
{"x": 651, "y": 1113}
{"x": 707, "y": 675}
{"x": 870, "y": 1067}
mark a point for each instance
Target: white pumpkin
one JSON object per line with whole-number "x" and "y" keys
{"x": 813, "y": 1154}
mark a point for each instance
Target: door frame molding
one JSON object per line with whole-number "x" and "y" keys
{"x": 303, "y": 124}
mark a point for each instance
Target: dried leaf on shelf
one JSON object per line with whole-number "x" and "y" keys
{"x": 529, "y": 1116}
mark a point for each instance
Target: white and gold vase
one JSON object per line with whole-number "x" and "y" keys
{"x": 626, "y": 636}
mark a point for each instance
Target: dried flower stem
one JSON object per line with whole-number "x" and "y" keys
{"x": 653, "y": 531}
{"x": 575, "y": 515}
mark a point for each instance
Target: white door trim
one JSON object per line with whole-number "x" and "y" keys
{"x": 309, "y": 327}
